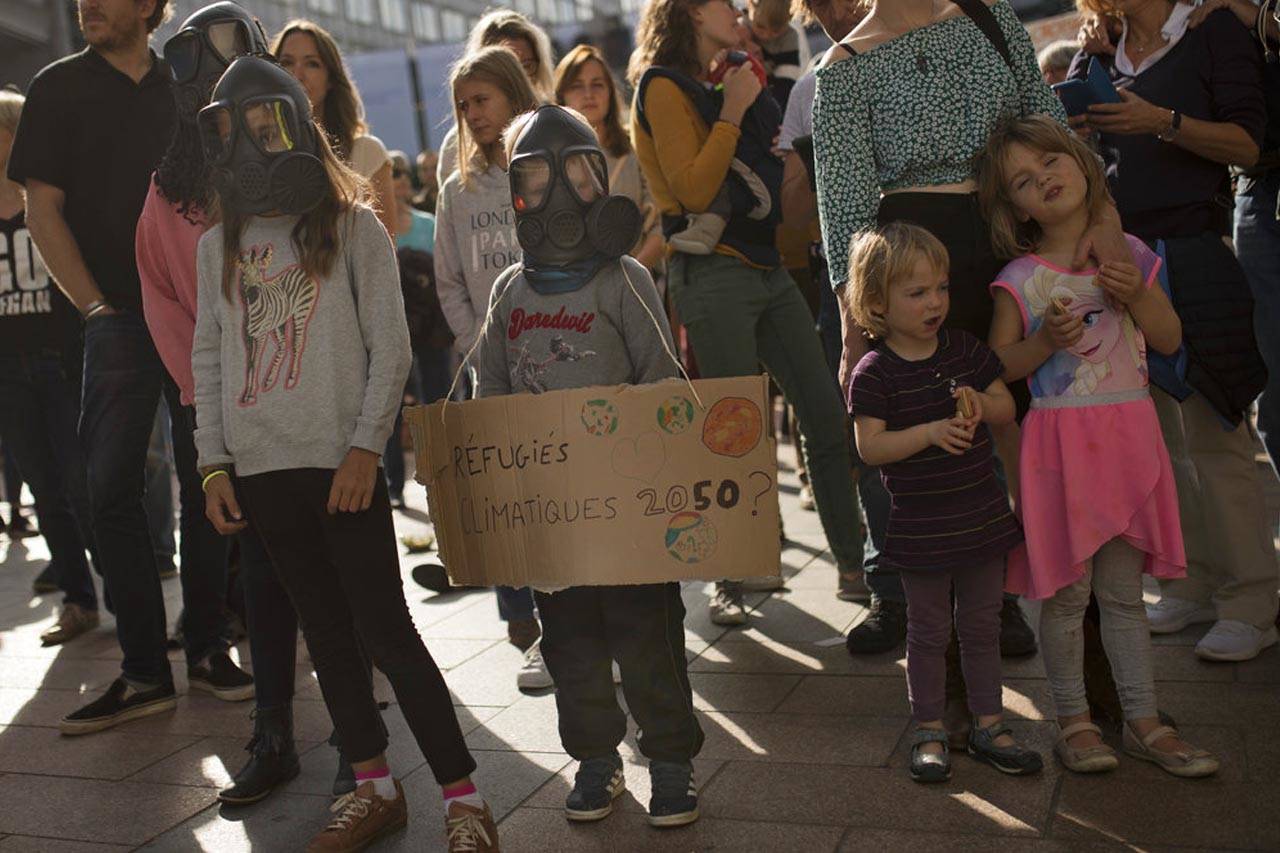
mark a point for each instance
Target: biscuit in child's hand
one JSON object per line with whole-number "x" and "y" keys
{"x": 964, "y": 405}
{"x": 1060, "y": 306}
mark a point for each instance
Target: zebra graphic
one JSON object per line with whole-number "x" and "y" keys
{"x": 278, "y": 307}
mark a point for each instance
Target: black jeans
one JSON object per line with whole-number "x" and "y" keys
{"x": 39, "y": 410}
{"x": 584, "y": 628}
{"x": 343, "y": 574}
{"x": 123, "y": 383}
{"x": 272, "y": 624}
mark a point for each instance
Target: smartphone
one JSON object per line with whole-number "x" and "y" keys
{"x": 1096, "y": 88}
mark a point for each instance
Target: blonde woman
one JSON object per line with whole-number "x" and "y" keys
{"x": 475, "y": 241}
{"x": 307, "y": 51}
{"x": 584, "y": 83}
{"x": 532, "y": 49}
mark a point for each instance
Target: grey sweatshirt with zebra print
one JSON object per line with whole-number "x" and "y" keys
{"x": 294, "y": 371}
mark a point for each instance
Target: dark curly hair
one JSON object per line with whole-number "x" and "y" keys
{"x": 183, "y": 175}
{"x": 665, "y": 36}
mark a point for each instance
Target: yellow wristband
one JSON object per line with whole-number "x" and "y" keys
{"x": 204, "y": 484}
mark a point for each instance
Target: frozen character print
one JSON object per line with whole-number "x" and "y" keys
{"x": 276, "y": 308}
{"x": 527, "y": 371}
{"x": 1111, "y": 354}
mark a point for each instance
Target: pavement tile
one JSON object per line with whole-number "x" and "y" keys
{"x": 528, "y": 725}
{"x": 530, "y": 830}
{"x": 1264, "y": 669}
{"x": 873, "y": 696}
{"x": 878, "y": 840}
{"x": 93, "y": 810}
{"x": 805, "y": 614}
{"x": 31, "y": 844}
{"x": 205, "y": 716}
{"x": 978, "y": 799}
{"x": 57, "y": 674}
{"x": 737, "y": 692}
{"x": 489, "y": 678}
{"x": 753, "y": 653}
{"x": 477, "y": 621}
{"x": 283, "y": 821}
{"x": 106, "y": 755}
{"x": 43, "y": 708}
{"x": 1169, "y": 811}
{"x": 1179, "y": 663}
{"x": 800, "y": 738}
{"x": 209, "y": 762}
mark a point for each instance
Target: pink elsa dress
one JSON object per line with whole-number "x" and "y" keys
{"x": 1094, "y": 464}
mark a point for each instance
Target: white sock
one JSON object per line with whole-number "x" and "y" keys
{"x": 469, "y": 795}
{"x": 384, "y": 785}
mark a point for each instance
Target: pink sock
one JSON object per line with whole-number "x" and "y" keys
{"x": 464, "y": 792}
{"x": 383, "y": 785}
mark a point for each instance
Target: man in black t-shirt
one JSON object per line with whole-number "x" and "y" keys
{"x": 40, "y": 399}
{"x": 94, "y": 127}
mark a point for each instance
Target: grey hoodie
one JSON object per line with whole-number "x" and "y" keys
{"x": 293, "y": 372}
{"x": 475, "y": 242}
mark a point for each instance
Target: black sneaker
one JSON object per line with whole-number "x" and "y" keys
{"x": 884, "y": 629}
{"x": 598, "y": 782}
{"x": 46, "y": 581}
{"x": 119, "y": 704}
{"x": 431, "y": 576}
{"x": 675, "y": 797}
{"x": 1017, "y": 640}
{"x": 221, "y": 677}
{"x": 1014, "y": 760}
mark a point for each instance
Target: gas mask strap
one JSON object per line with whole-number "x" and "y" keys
{"x": 658, "y": 328}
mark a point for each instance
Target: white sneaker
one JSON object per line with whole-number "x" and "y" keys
{"x": 617, "y": 673}
{"x": 1171, "y": 615}
{"x": 533, "y": 674}
{"x": 806, "y": 498}
{"x": 726, "y": 610}
{"x": 1230, "y": 639}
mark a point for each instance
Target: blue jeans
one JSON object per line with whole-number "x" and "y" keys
{"x": 1257, "y": 236}
{"x": 39, "y": 408}
{"x": 123, "y": 383}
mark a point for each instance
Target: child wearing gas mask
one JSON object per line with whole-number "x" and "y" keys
{"x": 578, "y": 312}
{"x": 300, "y": 355}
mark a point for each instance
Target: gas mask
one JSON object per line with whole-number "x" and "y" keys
{"x": 260, "y": 141}
{"x": 205, "y": 44}
{"x": 560, "y": 193}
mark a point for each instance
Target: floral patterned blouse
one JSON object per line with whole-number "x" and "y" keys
{"x": 914, "y": 111}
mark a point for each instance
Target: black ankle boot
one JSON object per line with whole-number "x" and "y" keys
{"x": 272, "y": 758}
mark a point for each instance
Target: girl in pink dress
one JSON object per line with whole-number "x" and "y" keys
{"x": 1098, "y": 501}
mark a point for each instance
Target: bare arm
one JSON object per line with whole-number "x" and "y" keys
{"x": 997, "y": 404}
{"x": 1021, "y": 355}
{"x": 384, "y": 199}
{"x": 651, "y": 251}
{"x": 799, "y": 203}
{"x": 878, "y": 445}
{"x": 58, "y": 246}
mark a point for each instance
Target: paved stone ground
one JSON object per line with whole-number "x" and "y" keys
{"x": 805, "y": 746}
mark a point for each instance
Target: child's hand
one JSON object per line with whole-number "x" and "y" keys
{"x": 221, "y": 507}
{"x": 953, "y": 435}
{"x": 1061, "y": 329}
{"x": 352, "y": 489}
{"x": 1122, "y": 282}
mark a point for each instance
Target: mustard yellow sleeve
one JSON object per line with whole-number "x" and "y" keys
{"x": 693, "y": 169}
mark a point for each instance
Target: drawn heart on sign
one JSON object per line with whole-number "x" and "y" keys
{"x": 642, "y": 458}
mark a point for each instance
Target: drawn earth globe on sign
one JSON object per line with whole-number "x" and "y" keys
{"x": 600, "y": 417}
{"x": 691, "y": 538}
{"x": 675, "y": 415}
{"x": 733, "y": 427}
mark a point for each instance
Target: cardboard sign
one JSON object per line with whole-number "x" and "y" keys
{"x": 618, "y": 485}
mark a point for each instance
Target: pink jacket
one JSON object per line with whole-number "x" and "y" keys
{"x": 166, "y": 248}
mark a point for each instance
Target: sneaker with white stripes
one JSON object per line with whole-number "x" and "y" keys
{"x": 675, "y": 796}
{"x": 597, "y": 784}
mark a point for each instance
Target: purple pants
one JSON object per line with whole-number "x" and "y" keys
{"x": 979, "y": 591}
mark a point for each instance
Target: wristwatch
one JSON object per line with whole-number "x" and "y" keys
{"x": 1171, "y": 132}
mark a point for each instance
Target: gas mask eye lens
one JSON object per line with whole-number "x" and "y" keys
{"x": 267, "y": 123}
{"x": 530, "y": 181}
{"x": 228, "y": 39}
{"x": 585, "y": 172}
{"x": 182, "y": 53}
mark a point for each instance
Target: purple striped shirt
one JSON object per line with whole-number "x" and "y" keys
{"x": 946, "y": 510}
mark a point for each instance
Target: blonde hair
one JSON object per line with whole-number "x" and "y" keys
{"x": 504, "y": 24}
{"x": 10, "y": 109}
{"x": 615, "y": 139}
{"x": 773, "y": 14}
{"x": 342, "y": 115}
{"x": 878, "y": 257}
{"x": 500, "y": 68}
{"x": 1011, "y": 237}
{"x": 1058, "y": 55}
{"x": 511, "y": 134}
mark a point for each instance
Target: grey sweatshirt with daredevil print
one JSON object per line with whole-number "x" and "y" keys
{"x": 294, "y": 371}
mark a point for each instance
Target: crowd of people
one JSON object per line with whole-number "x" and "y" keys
{"x": 1020, "y": 350}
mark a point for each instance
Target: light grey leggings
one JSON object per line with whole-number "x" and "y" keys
{"x": 1115, "y": 576}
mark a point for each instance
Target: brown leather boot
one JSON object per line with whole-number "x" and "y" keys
{"x": 362, "y": 817}
{"x": 471, "y": 830}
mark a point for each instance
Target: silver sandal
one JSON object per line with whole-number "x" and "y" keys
{"x": 1090, "y": 759}
{"x": 1188, "y": 763}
